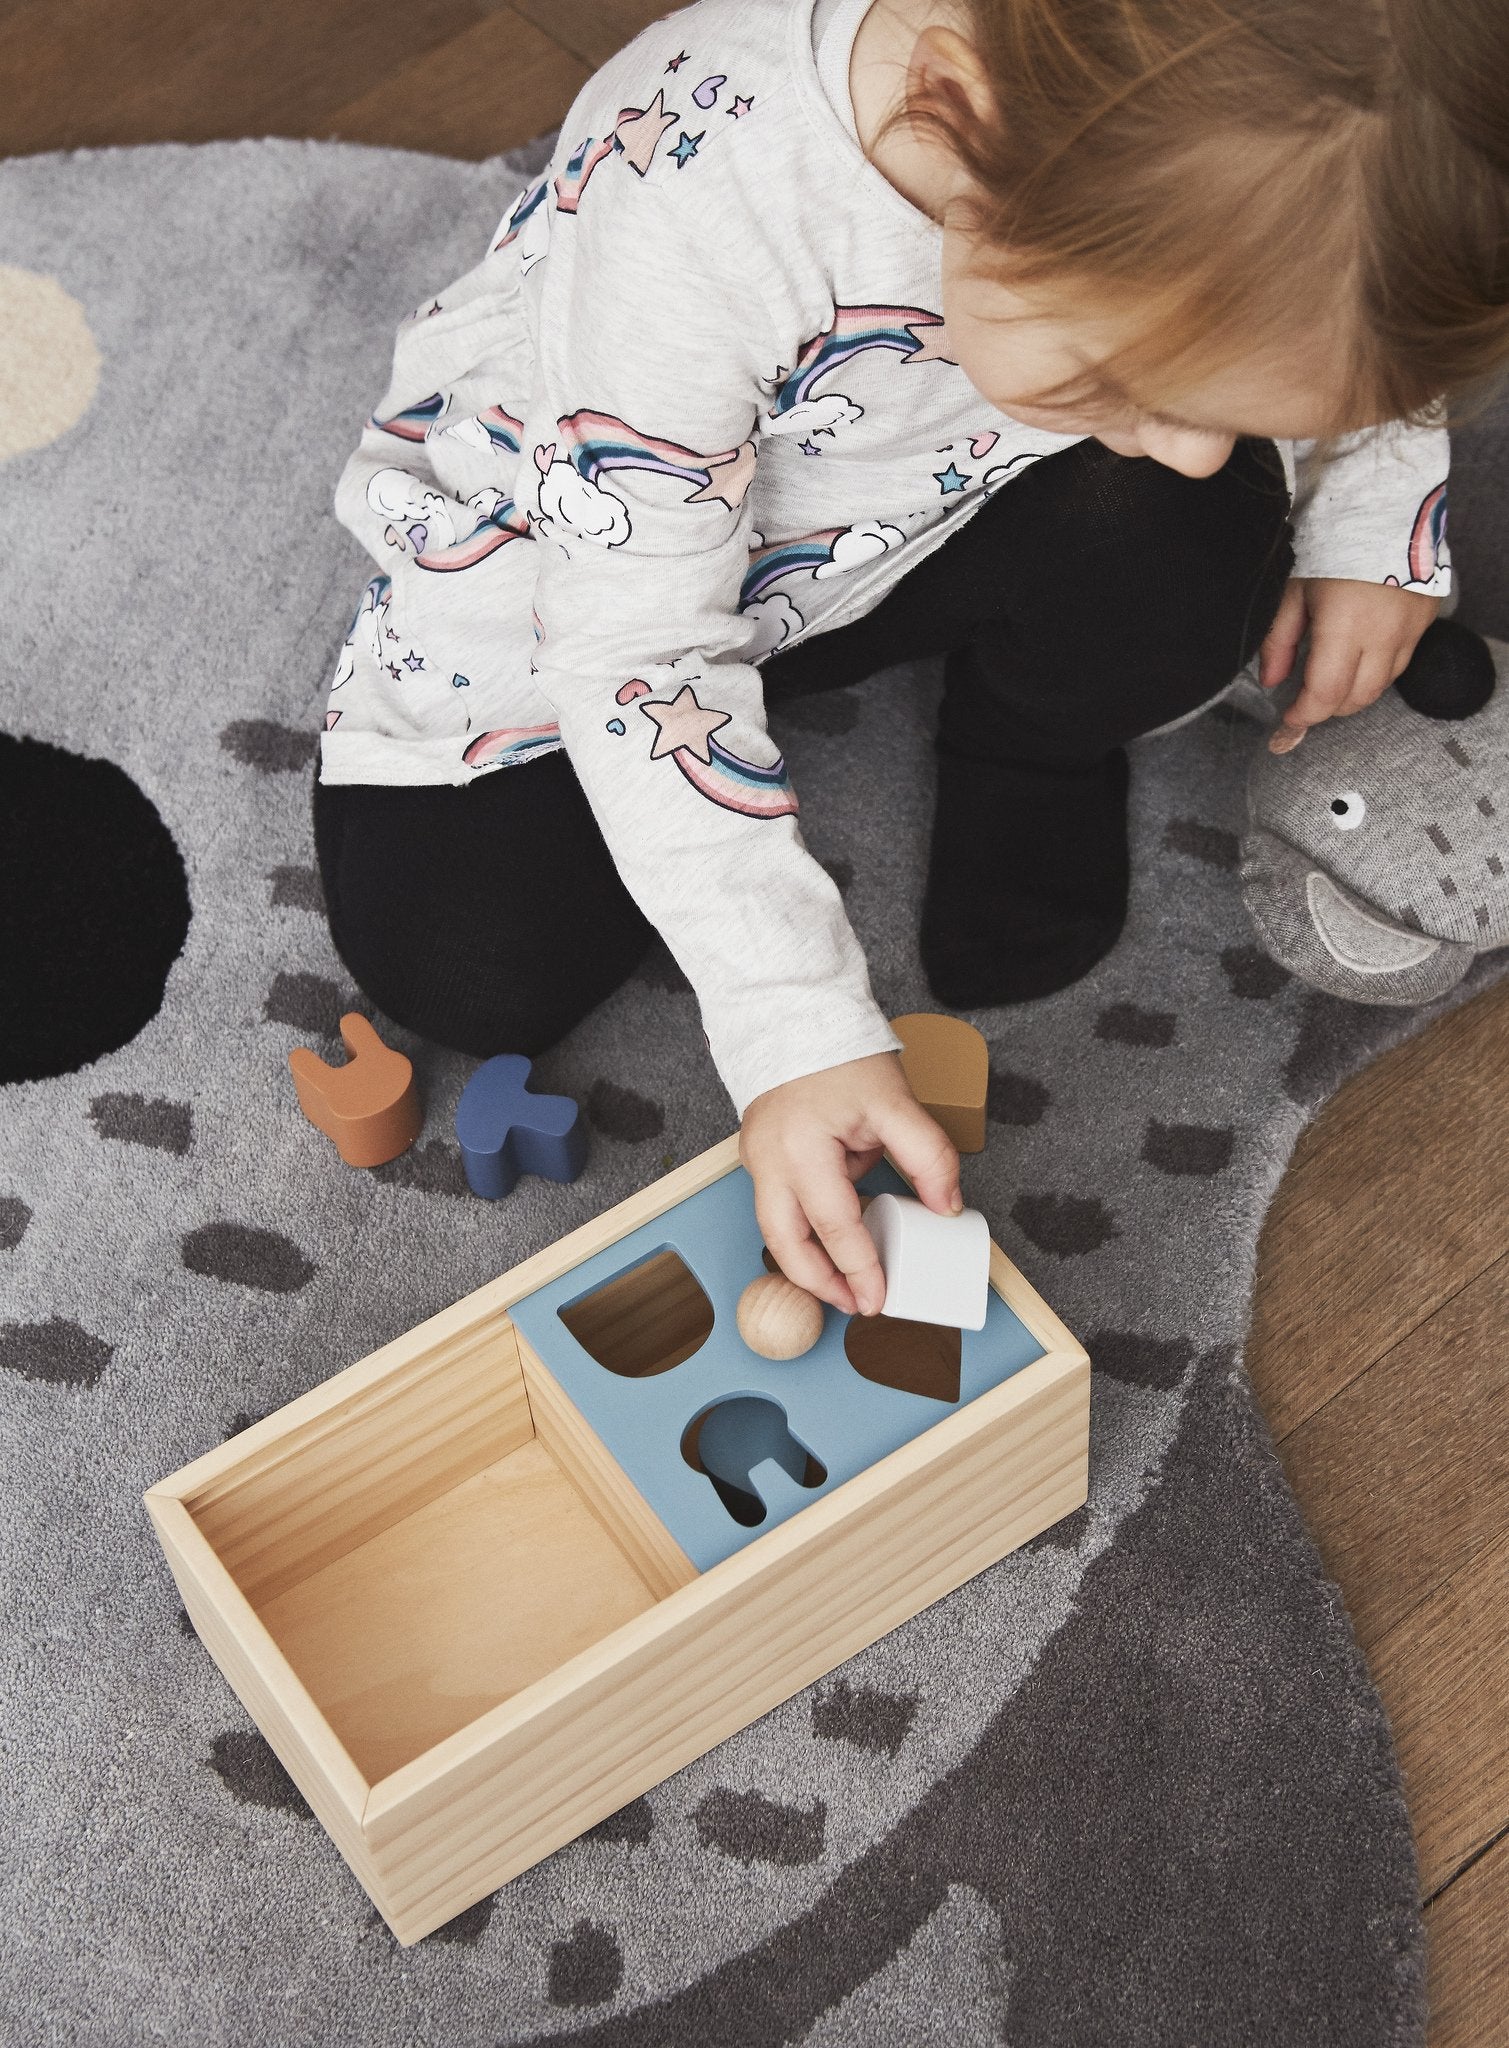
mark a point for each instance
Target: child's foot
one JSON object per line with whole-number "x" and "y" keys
{"x": 1027, "y": 883}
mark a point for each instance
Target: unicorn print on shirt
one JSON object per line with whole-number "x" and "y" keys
{"x": 1429, "y": 559}
{"x": 799, "y": 408}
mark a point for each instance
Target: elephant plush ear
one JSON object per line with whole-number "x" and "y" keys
{"x": 1450, "y": 674}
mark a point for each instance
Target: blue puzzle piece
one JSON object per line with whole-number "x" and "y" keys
{"x": 504, "y": 1130}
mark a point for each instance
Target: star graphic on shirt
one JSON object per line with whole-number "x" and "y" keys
{"x": 686, "y": 148}
{"x": 395, "y": 671}
{"x": 411, "y": 660}
{"x": 682, "y": 722}
{"x": 740, "y": 107}
{"x": 728, "y": 478}
{"x": 390, "y": 633}
{"x": 677, "y": 62}
{"x": 809, "y": 447}
{"x": 950, "y": 479}
{"x": 932, "y": 343}
{"x": 639, "y": 131}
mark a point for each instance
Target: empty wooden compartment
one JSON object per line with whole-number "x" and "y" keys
{"x": 467, "y": 1636}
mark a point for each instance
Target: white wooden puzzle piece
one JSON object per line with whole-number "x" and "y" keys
{"x": 937, "y": 1268}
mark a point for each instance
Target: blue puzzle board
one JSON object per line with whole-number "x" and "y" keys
{"x": 845, "y": 1420}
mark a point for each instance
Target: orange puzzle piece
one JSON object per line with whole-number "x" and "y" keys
{"x": 369, "y": 1108}
{"x": 947, "y": 1068}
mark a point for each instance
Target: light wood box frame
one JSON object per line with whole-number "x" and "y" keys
{"x": 321, "y": 1486}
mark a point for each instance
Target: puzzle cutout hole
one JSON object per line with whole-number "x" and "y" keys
{"x": 914, "y": 1358}
{"x": 651, "y": 1316}
{"x": 743, "y": 1445}
{"x": 890, "y": 1351}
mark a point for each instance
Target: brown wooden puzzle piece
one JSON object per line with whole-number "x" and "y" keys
{"x": 947, "y": 1068}
{"x": 369, "y": 1108}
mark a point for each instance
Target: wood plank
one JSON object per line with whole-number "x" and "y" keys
{"x": 592, "y": 29}
{"x": 1468, "y": 1932}
{"x": 1443, "y": 1672}
{"x": 1398, "y": 1195}
{"x": 90, "y": 72}
{"x": 500, "y": 84}
{"x": 536, "y": 1771}
{"x": 1404, "y": 1475}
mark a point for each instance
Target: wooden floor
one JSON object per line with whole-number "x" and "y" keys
{"x": 1380, "y": 1349}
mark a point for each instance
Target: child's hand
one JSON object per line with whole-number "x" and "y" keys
{"x": 807, "y": 1142}
{"x": 1361, "y": 637}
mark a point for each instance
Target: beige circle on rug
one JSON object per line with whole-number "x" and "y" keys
{"x": 49, "y": 364}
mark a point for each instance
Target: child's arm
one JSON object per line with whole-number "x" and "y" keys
{"x": 1370, "y": 570}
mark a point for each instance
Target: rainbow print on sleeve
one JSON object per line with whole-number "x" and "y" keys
{"x": 414, "y": 422}
{"x": 914, "y": 334}
{"x": 598, "y": 443}
{"x": 509, "y": 744}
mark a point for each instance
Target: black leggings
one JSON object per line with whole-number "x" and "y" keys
{"x": 1093, "y": 598}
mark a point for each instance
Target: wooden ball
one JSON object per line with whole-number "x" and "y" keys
{"x": 778, "y": 1319}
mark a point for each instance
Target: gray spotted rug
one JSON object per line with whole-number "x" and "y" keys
{"x": 1131, "y": 1787}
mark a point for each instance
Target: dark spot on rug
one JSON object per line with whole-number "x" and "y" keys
{"x": 251, "y": 1772}
{"x": 140, "y": 1120}
{"x": 434, "y": 1168}
{"x": 1252, "y": 973}
{"x": 248, "y": 1256}
{"x": 863, "y": 1716}
{"x": 1066, "y": 1225}
{"x": 94, "y": 909}
{"x": 14, "y": 1217}
{"x": 620, "y": 1113}
{"x": 658, "y": 969}
{"x": 585, "y": 1969}
{"x": 1139, "y": 1360}
{"x": 308, "y": 1002}
{"x": 824, "y": 711}
{"x": 1065, "y": 1535}
{"x": 240, "y": 1422}
{"x": 1014, "y": 1098}
{"x": 296, "y": 889}
{"x": 1333, "y": 1038}
{"x": 1211, "y": 844}
{"x": 1128, "y": 1024}
{"x": 185, "y": 1625}
{"x": 467, "y": 1928}
{"x": 57, "y": 1351}
{"x": 842, "y": 872}
{"x": 634, "y": 1823}
{"x": 755, "y": 1829}
{"x": 270, "y": 748}
{"x": 1201, "y": 1149}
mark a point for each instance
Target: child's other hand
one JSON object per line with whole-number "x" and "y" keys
{"x": 808, "y": 1141}
{"x": 1361, "y": 637}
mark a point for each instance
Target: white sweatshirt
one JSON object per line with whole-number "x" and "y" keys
{"x": 694, "y": 404}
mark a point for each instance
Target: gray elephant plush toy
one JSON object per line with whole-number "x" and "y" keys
{"x": 1376, "y": 859}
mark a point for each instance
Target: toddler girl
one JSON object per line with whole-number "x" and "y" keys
{"x": 1092, "y": 344}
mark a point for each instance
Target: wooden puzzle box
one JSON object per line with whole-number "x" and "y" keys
{"x": 483, "y": 1588}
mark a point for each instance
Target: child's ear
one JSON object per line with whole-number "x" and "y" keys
{"x": 946, "y": 63}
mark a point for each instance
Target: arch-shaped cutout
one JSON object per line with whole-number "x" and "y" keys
{"x": 730, "y": 1439}
{"x": 914, "y": 1358}
{"x": 646, "y": 1319}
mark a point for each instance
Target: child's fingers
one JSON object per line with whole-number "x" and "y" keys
{"x": 920, "y": 1147}
{"x": 1283, "y": 637}
{"x": 798, "y": 1254}
{"x": 1374, "y": 674}
{"x": 831, "y": 1206}
{"x": 1329, "y": 676}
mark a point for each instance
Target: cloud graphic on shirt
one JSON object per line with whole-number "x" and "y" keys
{"x": 469, "y": 431}
{"x": 857, "y": 544}
{"x": 775, "y": 618}
{"x": 405, "y": 503}
{"x": 813, "y": 415}
{"x": 571, "y": 500}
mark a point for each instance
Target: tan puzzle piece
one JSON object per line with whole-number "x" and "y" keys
{"x": 947, "y": 1068}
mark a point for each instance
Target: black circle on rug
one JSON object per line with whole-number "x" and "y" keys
{"x": 94, "y": 909}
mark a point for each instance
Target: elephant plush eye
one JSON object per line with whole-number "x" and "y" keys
{"x": 1348, "y": 810}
